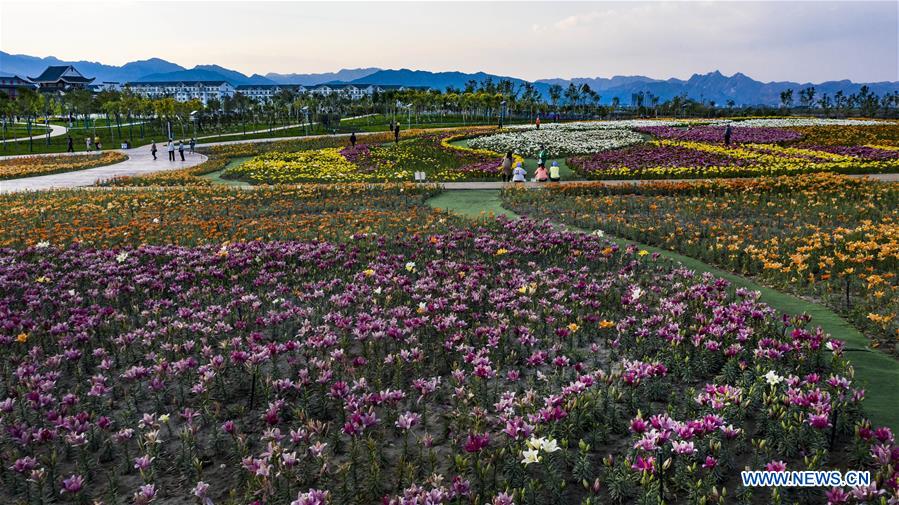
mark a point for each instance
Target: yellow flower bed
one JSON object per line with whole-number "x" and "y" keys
{"x": 13, "y": 168}
{"x": 308, "y": 166}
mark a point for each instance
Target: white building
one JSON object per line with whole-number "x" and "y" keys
{"x": 267, "y": 92}
{"x": 184, "y": 91}
{"x": 107, "y": 86}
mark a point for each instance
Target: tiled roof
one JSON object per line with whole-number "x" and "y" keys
{"x": 55, "y": 73}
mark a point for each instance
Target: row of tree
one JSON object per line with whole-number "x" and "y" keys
{"x": 866, "y": 102}
{"x": 479, "y": 102}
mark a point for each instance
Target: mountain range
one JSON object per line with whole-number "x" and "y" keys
{"x": 712, "y": 86}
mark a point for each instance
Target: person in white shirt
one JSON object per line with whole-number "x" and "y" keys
{"x": 518, "y": 175}
{"x": 171, "y": 149}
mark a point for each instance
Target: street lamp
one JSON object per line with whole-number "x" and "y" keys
{"x": 502, "y": 113}
{"x": 305, "y": 110}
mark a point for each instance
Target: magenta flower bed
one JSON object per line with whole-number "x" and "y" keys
{"x": 646, "y": 155}
{"x": 862, "y": 152}
{"x": 716, "y": 134}
{"x": 494, "y": 364}
{"x": 355, "y": 154}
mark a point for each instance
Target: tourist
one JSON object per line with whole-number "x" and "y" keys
{"x": 70, "y": 146}
{"x": 171, "y": 149}
{"x": 181, "y": 149}
{"x": 541, "y": 156}
{"x": 353, "y": 139}
{"x": 507, "y": 167}
{"x": 396, "y": 133}
{"x": 727, "y": 133}
{"x": 87, "y": 144}
{"x": 153, "y": 149}
{"x": 554, "y": 172}
{"x": 193, "y": 144}
{"x": 537, "y": 122}
{"x": 541, "y": 175}
{"x": 98, "y": 144}
{"x": 518, "y": 175}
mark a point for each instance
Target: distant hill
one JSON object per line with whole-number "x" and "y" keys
{"x": 601, "y": 83}
{"x": 743, "y": 90}
{"x": 343, "y": 75}
{"x": 24, "y": 65}
{"x": 436, "y": 80}
{"x": 208, "y": 73}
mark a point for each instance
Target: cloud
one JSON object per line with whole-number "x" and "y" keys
{"x": 581, "y": 19}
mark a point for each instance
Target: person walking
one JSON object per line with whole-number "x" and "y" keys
{"x": 153, "y": 149}
{"x": 518, "y": 175}
{"x": 193, "y": 144}
{"x": 506, "y": 167}
{"x": 727, "y": 134}
{"x": 181, "y": 149}
{"x": 396, "y": 133}
{"x": 537, "y": 122}
{"x": 87, "y": 144}
{"x": 70, "y": 145}
{"x": 554, "y": 175}
{"x": 171, "y": 149}
{"x": 98, "y": 144}
{"x": 353, "y": 139}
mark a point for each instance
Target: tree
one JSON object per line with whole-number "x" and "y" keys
{"x": 555, "y": 94}
{"x": 786, "y": 98}
{"x": 572, "y": 95}
{"x": 807, "y": 97}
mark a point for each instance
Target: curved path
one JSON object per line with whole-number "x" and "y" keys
{"x": 55, "y": 131}
{"x": 139, "y": 161}
{"x": 877, "y": 373}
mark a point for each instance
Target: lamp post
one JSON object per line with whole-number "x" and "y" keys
{"x": 305, "y": 110}
{"x": 502, "y": 113}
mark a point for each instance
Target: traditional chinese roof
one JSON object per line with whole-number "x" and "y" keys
{"x": 65, "y": 73}
{"x": 12, "y": 77}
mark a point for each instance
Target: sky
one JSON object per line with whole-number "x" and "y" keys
{"x": 804, "y": 41}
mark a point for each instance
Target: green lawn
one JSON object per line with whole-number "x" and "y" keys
{"x": 876, "y": 372}
{"x": 216, "y": 177}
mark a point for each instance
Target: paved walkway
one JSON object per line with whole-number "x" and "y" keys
{"x": 139, "y": 161}
{"x": 55, "y": 131}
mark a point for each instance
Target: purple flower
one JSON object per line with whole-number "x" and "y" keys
{"x": 72, "y": 485}
{"x": 475, "y": 442}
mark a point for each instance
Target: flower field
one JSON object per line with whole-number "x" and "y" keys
{"x": 881, "y": 135}
{"x": 213, "y": 215}
{"x": 683, "y": 159}
{"x": 373, "y": 162}
{"x": 741, "y": 135}
{"x": 28, "y": 166}
{"x": 509, "y": 363}
{"x": 825, "y": 236}
{"x": 559, "y": 142}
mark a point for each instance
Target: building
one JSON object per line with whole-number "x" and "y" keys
{"x": 266, "y": 92}
{"x": 184, "y": 91}
{"x": 107, "y": 86}
{"x": 10, "y": 84}
{"x": 61, "y": 78}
